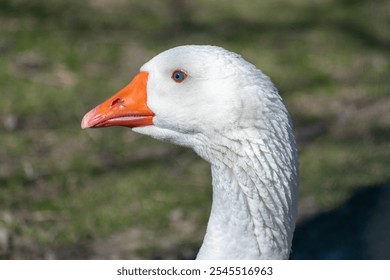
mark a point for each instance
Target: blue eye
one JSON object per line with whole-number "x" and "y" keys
{"x": 178, "y": 76}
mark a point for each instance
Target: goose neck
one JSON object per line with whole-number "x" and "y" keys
{"x": 253, "y": 207}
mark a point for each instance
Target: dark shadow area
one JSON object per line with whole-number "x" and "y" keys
{"x": 359, "y": 229}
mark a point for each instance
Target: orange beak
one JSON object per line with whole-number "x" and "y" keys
{"x": 125, "y": 108}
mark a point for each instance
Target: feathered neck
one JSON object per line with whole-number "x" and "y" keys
{"x": 255, "y": 188}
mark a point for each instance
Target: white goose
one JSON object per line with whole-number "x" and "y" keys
{"x": 230, "y": 113}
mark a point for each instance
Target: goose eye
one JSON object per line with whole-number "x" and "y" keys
{"x": 179, "y": 76}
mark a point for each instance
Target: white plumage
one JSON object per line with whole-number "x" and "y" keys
{"x": 230, "y": 113}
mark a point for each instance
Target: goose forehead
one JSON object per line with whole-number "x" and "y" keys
{"x": 192, "y": 52}
{"x": 195, "y": 58}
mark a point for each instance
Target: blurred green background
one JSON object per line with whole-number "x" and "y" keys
{"x": 110, "y": 193}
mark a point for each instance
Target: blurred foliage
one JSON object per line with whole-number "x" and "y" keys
{"x": 64, "y": 192}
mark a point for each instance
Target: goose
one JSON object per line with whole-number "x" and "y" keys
{"x": 231, "y": 115}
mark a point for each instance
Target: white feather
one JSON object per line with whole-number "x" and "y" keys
{"x": 231, "y": 114}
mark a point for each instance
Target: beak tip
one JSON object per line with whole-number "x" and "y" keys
{"x": 86, "y": 122}
{"x": 84, "y": 126}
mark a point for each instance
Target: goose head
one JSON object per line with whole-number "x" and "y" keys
{"x": 186, "y": 92}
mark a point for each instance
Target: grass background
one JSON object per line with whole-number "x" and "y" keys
{"x": 110, "y": 193}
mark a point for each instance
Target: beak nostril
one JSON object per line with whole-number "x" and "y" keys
{"x": 117, "y": 101}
